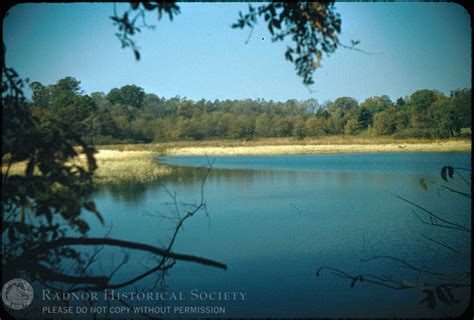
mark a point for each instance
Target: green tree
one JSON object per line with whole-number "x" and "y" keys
{"x": 418, "y": 104}
{"x": 345, "y": 104}
{"x": 400, "y": 103}
{"x": 154, "y": 105}
{"x": 402, "y": 120}
{"x": 130, "y": 95}
{"x": 385, "y": 122}
{"x": 364, "y": 118}
{"x": 263, "y": 124}
{"x": 283, "y": 127}
{"x": 241, "y": 127}
{"x": 350, "y": 127}
{"x": 63, "y": 102}
{"x": 311, "y": 106}
{"x": 376, "y": 104}
{"x": 299, "y": 129}
{"x": 115, "y": 96}
{"x": 190, "y": 129}
{"x": 336, "y": 122}
{"x": 445, "y": 118}
{"x": 316, "y": 126}
{"x": 461, "y": 100}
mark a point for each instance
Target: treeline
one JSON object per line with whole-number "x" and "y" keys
{"x": 129, "y": 115}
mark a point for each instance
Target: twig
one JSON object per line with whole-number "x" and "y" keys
{"x": 345, "y": 46}
{"x": 441, "y": 244}
{"x": 448, "y": 223}
{"x": 297, "y": 209}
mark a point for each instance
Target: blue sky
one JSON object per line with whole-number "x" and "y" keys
{"x": 198, "y": 55}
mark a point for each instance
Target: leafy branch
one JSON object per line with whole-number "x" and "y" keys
{"x": 127, "y": 21}
{"x": 313, "y": 28}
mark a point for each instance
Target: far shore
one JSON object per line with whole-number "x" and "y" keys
{"x": 448, "y": 146}
{"x": 117, "y": 158}
{"x": 275, "y": 146}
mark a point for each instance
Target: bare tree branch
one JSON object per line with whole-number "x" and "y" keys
{"x": 441, "y": 244}
{"x": 431, "y": 214}
{"x": 123, "y": 244}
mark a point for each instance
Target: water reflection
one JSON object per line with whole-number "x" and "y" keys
{"x": 136, "y": 192}
{"x": 131, "y": 192}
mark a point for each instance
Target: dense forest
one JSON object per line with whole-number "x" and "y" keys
{"x": 130, "y": 115}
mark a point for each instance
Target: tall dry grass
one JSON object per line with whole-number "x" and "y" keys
{"x": 324, "y": 147}
{"x": 163, "y": 148}
{"x": 114, "y": 166}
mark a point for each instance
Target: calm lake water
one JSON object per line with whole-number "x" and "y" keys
{"x": 274, "y": 220}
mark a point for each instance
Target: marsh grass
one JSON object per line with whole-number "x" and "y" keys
{"x": 169, "y": 148}
{"x": 275, "y": 146}
{"x": 114, "y": 166}
{"x": 449, "y": 146}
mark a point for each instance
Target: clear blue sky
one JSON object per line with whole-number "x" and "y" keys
{"x": 198, "y": 55}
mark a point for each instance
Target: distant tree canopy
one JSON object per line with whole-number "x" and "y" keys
{"x": 312, "y": 28}
{"x": 128, "y": 95}
{"x": 63, "y": 102}
{"x": 129, "y": 114}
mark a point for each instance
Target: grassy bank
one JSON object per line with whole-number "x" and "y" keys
{"x": 448, "y": 146}
{"x": 276, "y": 146}
{"x": 116, "y": 166}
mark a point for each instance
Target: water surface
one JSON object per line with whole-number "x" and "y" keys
{"x": 274, "y": 220}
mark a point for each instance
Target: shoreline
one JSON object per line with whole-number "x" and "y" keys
{"x": 447, "y": 146}
{"x": 119, "y": 164}
{"x": 137, "y": 163}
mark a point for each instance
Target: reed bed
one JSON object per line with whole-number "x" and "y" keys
{"x": 163, "y": 148}
{"x": 114, "y": 166}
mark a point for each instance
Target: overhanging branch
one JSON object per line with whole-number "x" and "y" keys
{"x": 122, "y": 244}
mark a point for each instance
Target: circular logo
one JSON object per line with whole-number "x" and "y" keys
{"x": 17, "y": 294}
